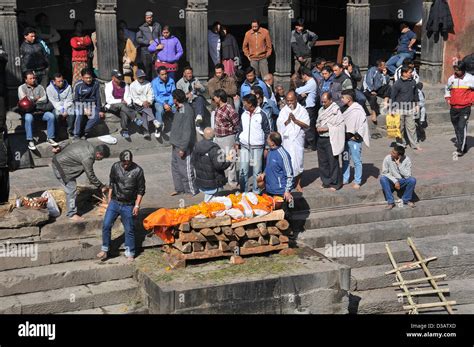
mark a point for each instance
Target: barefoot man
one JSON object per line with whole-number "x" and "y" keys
{"x": 292, "y": 123}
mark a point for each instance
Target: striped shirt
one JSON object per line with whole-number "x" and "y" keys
{"x": 227, "y": 121}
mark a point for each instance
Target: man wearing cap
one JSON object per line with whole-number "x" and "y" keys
{"x": 127, "y": 183}
{"x": 118, "y": 101}
{"x": 142, "y": 96}
{"x": 147, "y": 33}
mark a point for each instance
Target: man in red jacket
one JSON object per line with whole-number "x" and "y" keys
{"x": 81, "y": 45}
{"x": 460, "y": 96}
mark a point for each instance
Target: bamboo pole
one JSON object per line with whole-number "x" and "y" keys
{"x": 420, "y": 280}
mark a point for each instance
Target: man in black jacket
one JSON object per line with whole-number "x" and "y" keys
{"x": 302, "y": 41}
{"x": 127, "y": 183}
{"x": 210, "y": 164}
{"x": 34, "y": 57}
{"x": 182, "y": 138}
{"x": 3, "y": 86}
{"x": 72, "y": 161}
{"x": 147, "y": 33}
{"x": 5, "y": 166}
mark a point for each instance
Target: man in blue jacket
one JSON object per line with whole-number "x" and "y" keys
{"x": 377, "y": 84}
{"x": 163, "y": 88}
{"x": 250, "y": 81}
{"x": 278, "y": 171}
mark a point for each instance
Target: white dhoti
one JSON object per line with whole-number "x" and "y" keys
{"x": 293, "y": 136}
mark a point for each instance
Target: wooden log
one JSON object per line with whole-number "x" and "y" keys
{"x": 274, "y": 231}
{"x": 193, "y": 236}
{"x": 211, "y": 246}
{"x": 217, "y": 230}
{"x": 273, "y": 216}
{"x": 227, "y": 231}
{"x": 262, "y": 227}
{"x": 240, "y": 232}
{"x": 221, "y": 237}
{"x": 261, "y": 249}
{"x": 262, "y": 241}
{"x": 186, "y": 227}
{"x": 283, "y": 225}
{"x": 223, "y": 246}
{"x": 283, "y": 239}
{"x": 274, "y": 240}
{"x": 233, "y": 237}
{"x": 207, "y": 232}
{"x": 232, "y": 245}
{"x": 253, "y": 233}
{"x": 198, "y": 247}
{"x": 183, "y": 247}
{"x": 201, "y": 223}
{"x": 250, "y": 244}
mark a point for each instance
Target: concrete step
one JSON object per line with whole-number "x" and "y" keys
{"x": 351, "y": 216}
{"x": 459, "y": 246}
{"x": 56, "y": 276}
{"x": 373, "y": 277}
{"x": 75, "y": 298}
{"x": 390, "y": 230}
{"x": 385, "y": 300}
{"x": 113, "y": 309}
{"x": 318, "y": 199}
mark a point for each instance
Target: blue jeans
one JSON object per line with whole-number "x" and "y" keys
{"x": 352, "y": 150}
{"x": 92, "y": 121}
{"x": 250, "y": 158}
{"x": 47, "y": 117}
{"x": 397, "y": 60}
{"x": 406, "y": 184}
{"x": 70, "y": 120}
{"x": 160, "y": 111}
{"x": 125, "y": 212}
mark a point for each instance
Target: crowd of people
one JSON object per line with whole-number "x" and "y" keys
{"x": 258, "y": 132}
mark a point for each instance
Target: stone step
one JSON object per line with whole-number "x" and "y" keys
{"x": 344, "y": 216}
{"x": 113, "y": 309}
{"x": 390, "y": 230}
{"x": 385, "y": 300}
{"x": 317, "y": 199}
{"x": 75, "y": 298}
{"x": 56, "y": 276}
{"x": 459, "y": 246}
{"x": 373, "y": 277}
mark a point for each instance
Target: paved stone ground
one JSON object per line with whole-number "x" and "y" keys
{"x": 434, "y": 164}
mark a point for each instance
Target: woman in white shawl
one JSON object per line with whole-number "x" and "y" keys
{"x": 357, "y": 131}
{"x": 292, "y": 122}
{"x": 332, "y": 134}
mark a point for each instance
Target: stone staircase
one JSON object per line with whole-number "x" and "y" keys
{"x": 441, "y": 226}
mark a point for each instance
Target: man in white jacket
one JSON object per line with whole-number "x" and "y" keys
{"x": 61, "y": 96}
{"x": 142, "y": 97}
{"x": 118, "y": 101}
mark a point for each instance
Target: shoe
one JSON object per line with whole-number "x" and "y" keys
{"x": 157, "y": 124}
{"x": 199, "y": 130}
{"x": 158, "y": 133}
{"x": 76, "y": 138}
{"x": 76, "y": 218}
{"x": 356, "y": 186}
{"x": 147, "y": 136}
{"x": 52, "y": 143}
{"x": 138, "y": 122}
{"x": 458, "y": 154}
{"x": 31, "y": 146}
{"x": 411, "y": 204}
{"x": 125, "y": 135}
{"x": 199, "y": 119}
{"x": 389, "y": 206}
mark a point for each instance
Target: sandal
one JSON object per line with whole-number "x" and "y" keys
{"x": 102, "y": 255}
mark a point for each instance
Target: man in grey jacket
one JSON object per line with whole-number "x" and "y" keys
{"x": 302, "y": 40}
{"x": 60, "y": 94}
{"x": 72, "y": 161}
{"x": 183, "y": 139}
{"x": 147, "y": 33}
{"x": 397, "y": 175}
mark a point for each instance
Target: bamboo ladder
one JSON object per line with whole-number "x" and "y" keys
{"x": 410, "y": 293}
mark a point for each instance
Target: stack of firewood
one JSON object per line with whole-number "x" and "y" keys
{"x": 216, "y": 237}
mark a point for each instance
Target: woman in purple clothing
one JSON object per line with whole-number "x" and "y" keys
{"x": 167, "y": 51}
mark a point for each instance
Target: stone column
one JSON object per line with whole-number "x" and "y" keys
{"x": 358, "y": 32}
{"x": 280, "y": 14}
{"x": 196, "y": 38}
{"x": 106, "y": 28}
{"x": 9, "y": 36}
{"x": 432, "y": 51}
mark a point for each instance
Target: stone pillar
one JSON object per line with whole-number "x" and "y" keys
{"x": 106, "y": 28}
{"x": 280, "y": 14}
{"x": 432, "y": 51}
{"x": 358, "y": 32}
{"x": 9, "y": 36}
{"x": 196, "y": 38}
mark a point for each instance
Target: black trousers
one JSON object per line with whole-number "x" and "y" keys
{"x": 383, "y": 92}
{"x": 311, "y": 136}
{"x": 125, "y": 113}
{"x": 329, "y": 168}
{"x": 4, "y": 185}
{"x": 460, "y": 120}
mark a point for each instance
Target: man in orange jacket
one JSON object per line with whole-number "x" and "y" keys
{"x": 257, "y": 48}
